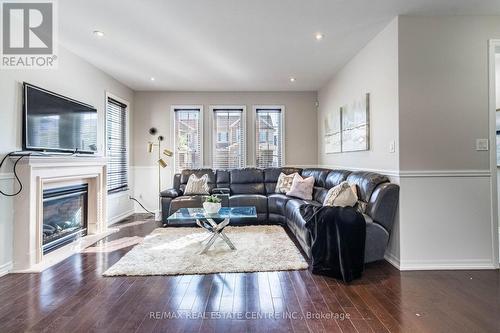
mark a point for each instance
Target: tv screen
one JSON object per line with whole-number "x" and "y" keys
{"x": 56, "y": 123}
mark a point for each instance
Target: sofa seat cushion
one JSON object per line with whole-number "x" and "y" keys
{"x": 295, "y": 203}
{"x": 295, "y": 221}
{"x": 257, "y": 200}
{"x": 277, "y": 203}
{"x": 186, "y": 201}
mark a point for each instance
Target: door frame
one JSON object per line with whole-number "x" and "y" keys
{"x": 492, "y": 45}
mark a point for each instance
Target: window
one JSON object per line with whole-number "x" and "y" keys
{"x": 187, "y": 138}
{"x": 269, "y": 136}
{"x": 116, "y": 144}
{"x": 228, "y": 151}
{"x": 222, "y": 137}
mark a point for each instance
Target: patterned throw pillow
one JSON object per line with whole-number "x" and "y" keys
{"x": 197, "y": 185}
{"x": 341, "y": 195}
{"x": 302, "y": 187}
{"x": 284, "y": 182}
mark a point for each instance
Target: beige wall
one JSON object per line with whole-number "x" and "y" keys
{"x": 154, "y": 109}
{"x": 74, "y": 78}
{"x": 373, "y": 70}
{"x": 444, "y": 102}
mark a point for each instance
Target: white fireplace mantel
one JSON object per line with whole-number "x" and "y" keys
{"x": 40, "y": 172}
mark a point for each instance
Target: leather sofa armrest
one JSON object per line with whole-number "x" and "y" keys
{"x": 221, "y": 190}
{"x": 383, "y": 205}
{"x": 170, "y": 193}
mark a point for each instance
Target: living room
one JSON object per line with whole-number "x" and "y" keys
{"x": 246, "y": 166}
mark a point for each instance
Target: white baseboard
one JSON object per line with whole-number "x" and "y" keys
{"x": 120, "y": 217}
{"x": 5, "y": 268}
{"x": 435, "y": 265}
{"x": 467, "y": 264}
{"x": 392, "y": 259}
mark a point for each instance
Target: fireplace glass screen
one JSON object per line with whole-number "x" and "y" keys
{"x": 64, "y": 215}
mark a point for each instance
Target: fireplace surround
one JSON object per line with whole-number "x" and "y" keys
{"x": 46, "y": 174}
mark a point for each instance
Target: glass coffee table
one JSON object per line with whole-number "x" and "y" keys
{"x": 214, "y": 223}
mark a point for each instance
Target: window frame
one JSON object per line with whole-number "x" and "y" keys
{"x": 255, "y": 133}
{"x": 109, "y": 95}
{"x": 173, "y": 138}
{"x": 243, "y": 134}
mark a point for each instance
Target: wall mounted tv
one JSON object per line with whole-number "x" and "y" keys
{"x": 54, "y": 123}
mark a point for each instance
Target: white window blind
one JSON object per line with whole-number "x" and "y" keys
{"x": 228, "y": 151}
{"x": 269, "y": 137}
{"x": 116, "y": 133}
{"x": 188, "y": 141}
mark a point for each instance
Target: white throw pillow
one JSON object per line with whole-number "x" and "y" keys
{"x": 302, "y": 187}
{"x": 197, "y": 185}
{"x": 341, "y": 195}
{"x": 284, "y": 182}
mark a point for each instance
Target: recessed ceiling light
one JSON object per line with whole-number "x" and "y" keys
{"x": 319, "y": 36}
{"x": 152, "y": 78}
{"x": 292, "y": 79}
{"x": 98, "y": 33}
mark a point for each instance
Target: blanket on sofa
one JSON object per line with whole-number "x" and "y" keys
{"x": 338, "y": 241}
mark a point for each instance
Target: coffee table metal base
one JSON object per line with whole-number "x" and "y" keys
{"x": 216, "y": 230}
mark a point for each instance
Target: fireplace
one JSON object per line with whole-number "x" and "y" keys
{"x": 64, "y": 215}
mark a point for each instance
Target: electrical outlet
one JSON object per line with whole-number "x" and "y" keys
{"x": 482, "y": 144}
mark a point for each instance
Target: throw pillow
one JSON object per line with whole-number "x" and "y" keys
{"x": 197, "y": 185}
{"x": 284, "y": 183}
{"x": 302, "y": 187}
{"x": 341, "y": 195}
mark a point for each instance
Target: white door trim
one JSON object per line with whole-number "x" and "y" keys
{"x": 492, "y": 44}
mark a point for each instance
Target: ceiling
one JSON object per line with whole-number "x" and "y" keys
{"x": 233, "y": 45}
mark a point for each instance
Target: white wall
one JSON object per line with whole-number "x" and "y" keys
{"x": 74, "y": 78}
{"x": 373, "y": 70}
{"x": 152, "y": 109}
{"x": 445, "y": 210}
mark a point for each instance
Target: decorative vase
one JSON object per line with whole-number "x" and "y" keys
{"x": 211, "y": 207}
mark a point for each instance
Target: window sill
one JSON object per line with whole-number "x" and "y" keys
{"x": 119, "y": 192}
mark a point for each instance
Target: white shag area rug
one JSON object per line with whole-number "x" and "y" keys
{"x": 173, "y": 251}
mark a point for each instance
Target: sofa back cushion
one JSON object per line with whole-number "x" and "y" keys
{"x": 319, "y": 175}
{"x": 335, "y": 177}
{"x": 223, "y": 178}
{"x": 319, "y": 194}
{"x": 271, "y": 176}
{"x": 247, "y": 181}
{"x": 186, "y": 173}
{"x": 366, "y": 182}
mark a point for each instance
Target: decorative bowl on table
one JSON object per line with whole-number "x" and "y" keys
{"x": 212, "y": 204}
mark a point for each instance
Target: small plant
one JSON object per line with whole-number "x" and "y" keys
{"x": 213, "y": 199}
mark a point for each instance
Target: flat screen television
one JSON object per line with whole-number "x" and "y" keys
{"x": 54, "y": 123}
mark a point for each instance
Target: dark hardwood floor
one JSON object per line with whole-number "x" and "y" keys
{"x": 73, "y": 296}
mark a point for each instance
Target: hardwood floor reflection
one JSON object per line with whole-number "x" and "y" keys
{"x": 73, "y": 296}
